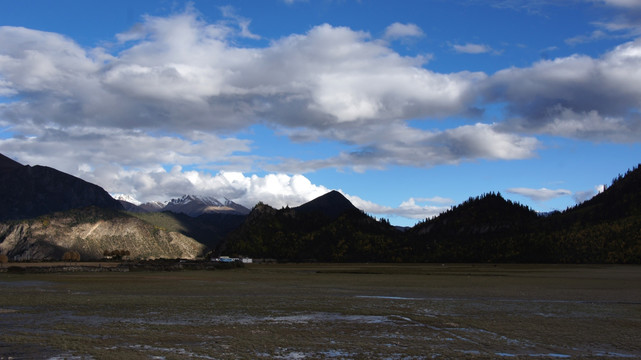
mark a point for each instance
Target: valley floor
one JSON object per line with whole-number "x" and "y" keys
{"x": 326, "y": 311}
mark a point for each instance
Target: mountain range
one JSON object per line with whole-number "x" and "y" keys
{"x": 47, "y": 212}
{"x": 192, "y": 205}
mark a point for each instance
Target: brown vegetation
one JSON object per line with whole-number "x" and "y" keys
{"x": 3, "y": 259}
{"x": 71, "y": 256}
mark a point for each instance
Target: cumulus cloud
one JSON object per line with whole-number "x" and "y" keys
{"x": 542, "y": 194}
{"x": 181, "y": 73}
{"x": 398, "y": 31}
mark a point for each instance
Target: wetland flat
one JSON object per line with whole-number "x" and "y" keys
{"x": 326, "y": 311}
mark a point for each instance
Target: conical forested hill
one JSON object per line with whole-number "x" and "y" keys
{"x": 331, "y": 205}
{"x": 484, "y": 228}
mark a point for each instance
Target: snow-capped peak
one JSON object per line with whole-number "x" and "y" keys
{"x": 126, "y": 197}
{"x": 195, "y": 205}
{"x": 207, "y": 200}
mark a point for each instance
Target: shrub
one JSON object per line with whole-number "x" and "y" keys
{"x": 3, "y": 259}
{"x": 71, "y": 256}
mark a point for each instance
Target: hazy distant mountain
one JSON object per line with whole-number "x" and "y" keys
{"x": 152, "y": 206}
{"x": 30, "y": 191}
{"x": 192, "y": 205}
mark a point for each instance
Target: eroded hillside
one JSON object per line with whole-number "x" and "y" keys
{"x": 90, "y": 232}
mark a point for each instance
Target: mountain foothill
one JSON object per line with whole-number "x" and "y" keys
{"x": 46, "y": 213}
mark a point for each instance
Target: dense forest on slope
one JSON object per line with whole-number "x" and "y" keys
{"x": 604, "y": 229}
{"x": 488, "y": 228}
{"x": 311, "y": 233}
{"x": 484, "y": 228}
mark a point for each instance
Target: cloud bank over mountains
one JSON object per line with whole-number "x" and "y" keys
{"x": 155, "y": 112}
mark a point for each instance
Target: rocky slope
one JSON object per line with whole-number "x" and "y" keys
{"x": 91, "y": 231}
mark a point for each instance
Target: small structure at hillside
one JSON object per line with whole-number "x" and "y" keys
{"x": 227, "y": 259}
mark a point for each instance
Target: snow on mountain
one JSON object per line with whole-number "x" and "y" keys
{"x": 192, "y": 205}
{"x": 195, "y": 205}
{"x": 206, "y": 200}
{"x": 127, "y": 198}
{"x": 153, "y": 206}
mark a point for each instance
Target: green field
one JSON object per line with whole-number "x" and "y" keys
{"x": 326, "y": 311}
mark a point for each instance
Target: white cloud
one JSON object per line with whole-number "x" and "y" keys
{"x": 595, "y": 35}
{"x": 542, "y": 194}
{"x": 470, "y": 48}
{"x": 180, "y": 73}
{"x": 398, "y": 31}
{"x": 411, "y": 208}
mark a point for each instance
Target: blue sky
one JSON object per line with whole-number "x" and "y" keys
{"x": 407, "y": 107}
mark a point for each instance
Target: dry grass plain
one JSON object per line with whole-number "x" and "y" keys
{"x": 326, "y": 311}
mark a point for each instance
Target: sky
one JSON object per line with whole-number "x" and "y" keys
{"x": 407, "y": 107}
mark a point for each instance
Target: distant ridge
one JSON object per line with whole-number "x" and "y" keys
{"x": 192, "y": 205}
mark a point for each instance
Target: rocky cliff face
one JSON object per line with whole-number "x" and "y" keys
{"x": 31, "y": 191}
{"x": 91, "y": 231}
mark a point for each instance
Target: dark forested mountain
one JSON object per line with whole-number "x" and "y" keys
{"x": 479, "y": 229}
{"x": 30, "y": 191}
{"x": 328, "y": 228}
{"x": 331, "y": 205}
{"x": 619, "y": 200}
{"x": 604, "y": 229}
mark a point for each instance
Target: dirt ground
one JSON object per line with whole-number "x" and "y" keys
{"x": 326, "y": 311}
